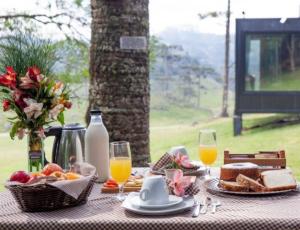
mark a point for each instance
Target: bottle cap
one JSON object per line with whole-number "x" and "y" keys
{"x": 95, "y": 112}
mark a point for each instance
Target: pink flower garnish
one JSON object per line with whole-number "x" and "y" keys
{"x": 180, "y": 183}
{"x": 182, "y": 160}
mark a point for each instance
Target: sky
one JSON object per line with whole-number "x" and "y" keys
{"x": 183, "y": 14}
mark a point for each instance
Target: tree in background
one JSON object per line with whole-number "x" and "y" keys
{"x": 68, "y": 16}
{"x": 74, "y": 61}
{"x": 119, "y": 83}
{"x": 176, "y": 76}
{"x": 224, "y": 111}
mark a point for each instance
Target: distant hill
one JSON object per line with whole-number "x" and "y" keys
{"x": 208, "y": 49}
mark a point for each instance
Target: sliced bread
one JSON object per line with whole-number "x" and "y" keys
{"x": 277, "y": 180}
{"x": 233, "y": 186}
{"x": 252, "y": 185}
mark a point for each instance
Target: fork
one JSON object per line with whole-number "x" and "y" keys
{"x": 207, "y": 203}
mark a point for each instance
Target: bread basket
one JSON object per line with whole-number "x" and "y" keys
{"x": 45, "y": 197}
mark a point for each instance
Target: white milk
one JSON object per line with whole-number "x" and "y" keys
{"x": 97, "y": 146}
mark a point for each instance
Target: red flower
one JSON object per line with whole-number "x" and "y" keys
{"x": 34, "y": 73}
{"x": 9, "y": 78}
{"x": 6, "y": 105}
{"x": 18, "y": 97}
{"x": 68, "y": 104}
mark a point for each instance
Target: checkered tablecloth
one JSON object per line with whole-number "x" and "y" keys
{"x": 102, "y": 212}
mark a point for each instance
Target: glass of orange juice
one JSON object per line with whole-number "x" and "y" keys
{"x": 120, "y": 164}
{"x": 207, "y": 148}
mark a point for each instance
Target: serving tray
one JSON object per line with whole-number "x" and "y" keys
{"x": 212, "y": 185}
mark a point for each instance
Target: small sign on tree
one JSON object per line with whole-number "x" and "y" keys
{"x": 133, "y": 42}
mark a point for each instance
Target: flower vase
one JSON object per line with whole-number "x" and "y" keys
{"x": 36, "y": 155}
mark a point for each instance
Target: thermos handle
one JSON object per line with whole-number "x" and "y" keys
{"x": 56, "y": 132}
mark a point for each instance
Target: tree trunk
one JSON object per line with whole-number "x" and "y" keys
{"x": 224, "y": 112}
{"x": 119, "y": 83}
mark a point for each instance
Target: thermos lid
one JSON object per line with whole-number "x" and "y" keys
{"x": 73, "y": 126}
{"x": 95, "y": 112}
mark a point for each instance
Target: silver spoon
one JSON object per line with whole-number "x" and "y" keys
{"x": 215, "y": 204}
{"x": 196, "y": 211}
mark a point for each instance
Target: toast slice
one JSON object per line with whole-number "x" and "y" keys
{"x": 233, "y": 186}
{"x": 277, "y": 180}
{"x": 253, "y": 185}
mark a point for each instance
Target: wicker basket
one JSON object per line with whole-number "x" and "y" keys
{"x": 44, "y": 197}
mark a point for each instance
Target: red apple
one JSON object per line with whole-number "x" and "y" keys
{"x": 50, "y": 168}
{"x": 20, "y": 176}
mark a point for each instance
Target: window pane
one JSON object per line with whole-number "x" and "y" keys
{"x": 272, "y": 62}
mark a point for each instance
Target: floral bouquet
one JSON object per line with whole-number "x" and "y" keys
{"x": 36, "y": 101}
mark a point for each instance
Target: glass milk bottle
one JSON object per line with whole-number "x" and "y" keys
{"x": 97, "y": 145}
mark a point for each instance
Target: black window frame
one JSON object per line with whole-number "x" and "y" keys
{"x": 256, "y": 101}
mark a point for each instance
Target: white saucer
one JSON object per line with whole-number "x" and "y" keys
{"x": 185, "y": 205}
{"x": 173, "y": 200}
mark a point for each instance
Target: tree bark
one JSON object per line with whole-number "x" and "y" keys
{"x": 119, "y": 83}
{"x": 224, "y": 112}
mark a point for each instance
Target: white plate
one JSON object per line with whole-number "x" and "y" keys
{"x": 185, "y": 205}
{"x": 173, "y": 200}
{"x": 212, "y": 185}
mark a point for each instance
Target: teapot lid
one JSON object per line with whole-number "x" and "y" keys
{"x": 73, "y": 126}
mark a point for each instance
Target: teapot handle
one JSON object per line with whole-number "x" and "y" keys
{"x": 56, "y": 132}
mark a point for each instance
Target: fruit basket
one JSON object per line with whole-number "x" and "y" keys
{"x": 49, "y": 195}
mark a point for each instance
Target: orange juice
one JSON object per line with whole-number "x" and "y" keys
{"x": 208, "y": 154}
{"x": 120, "y": 168}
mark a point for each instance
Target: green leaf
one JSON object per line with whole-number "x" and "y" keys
{"x": 61, "y": 118}
{"x": 12, "y": 118}
{"x": 14, "y": 130}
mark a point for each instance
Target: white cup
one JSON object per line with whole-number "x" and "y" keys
{"x": 154, "y": 191}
